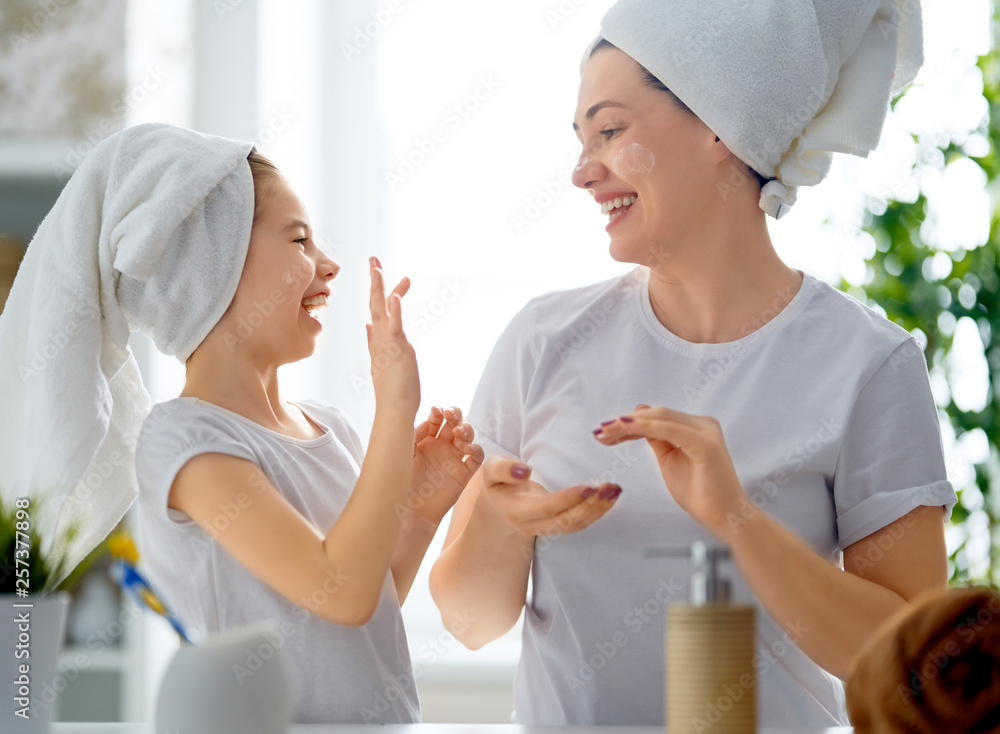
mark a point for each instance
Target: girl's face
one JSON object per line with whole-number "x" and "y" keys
{"x": 638, "y": 145}
{"x": 285, "y": 282}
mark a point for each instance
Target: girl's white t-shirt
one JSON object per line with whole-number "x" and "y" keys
{"x": 338, "y": 674}
{"x": 827, "y": 412}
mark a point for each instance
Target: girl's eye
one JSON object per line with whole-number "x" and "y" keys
{"x": 302, "y": 241}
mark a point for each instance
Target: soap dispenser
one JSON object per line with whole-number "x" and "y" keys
{"x": 710, "y": 646}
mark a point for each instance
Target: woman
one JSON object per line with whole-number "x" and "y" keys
{"x": 793, "y": 425}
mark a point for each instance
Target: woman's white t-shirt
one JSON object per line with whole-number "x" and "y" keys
{"x": 827, "y": 411}
{"x": 338, "y": 674}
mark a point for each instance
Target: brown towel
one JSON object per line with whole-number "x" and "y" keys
{"x": 934, "y": 668}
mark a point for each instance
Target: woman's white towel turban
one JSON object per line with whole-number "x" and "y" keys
{"x": 150, "y": 233}
{"x": 783, "y": 83}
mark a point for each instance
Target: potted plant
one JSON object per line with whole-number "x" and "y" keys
{"x": 32, "y": 619}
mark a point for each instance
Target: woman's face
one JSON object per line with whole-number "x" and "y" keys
{"x": 286, "y": 280}
{"x": 637, "y": 144}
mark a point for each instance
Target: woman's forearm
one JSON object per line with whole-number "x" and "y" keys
{"x": 480, "y": 580}
{"x": 828, "y": 612}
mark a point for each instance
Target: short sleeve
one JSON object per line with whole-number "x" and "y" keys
{"x": 891, "y": 460}
{"x": 497, "y": 410}
{"x": 170, "y": 437}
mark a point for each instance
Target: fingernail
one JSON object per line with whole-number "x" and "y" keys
{"x": 519, "y": 471}
{"x": 610, "y": 492}
{"x": 607, "y": 423}
{"x": 588, "y": 492}
{"x": 597, "y": 431}
{"x": 618, "y": 491}
{"x": 626, "y": 419}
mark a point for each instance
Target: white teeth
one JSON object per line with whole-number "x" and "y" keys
{"x": 609, "y": 206}
{"x": 318, "y": 300}
{"x": 314, "y": 303}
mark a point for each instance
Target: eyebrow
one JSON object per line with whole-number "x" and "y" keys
{"x": 597, "y": 108}
{"x": 297, "y": 224}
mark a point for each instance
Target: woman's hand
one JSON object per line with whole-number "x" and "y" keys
{"x": 528, "y": 508}
{"x": 693, "y": 458}
{"x": 444, "y": 459}
{"x": 394, "y": 363}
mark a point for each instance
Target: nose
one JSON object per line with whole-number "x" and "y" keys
{"x": 587, "y": 172}
{"x": 326, "y": 266}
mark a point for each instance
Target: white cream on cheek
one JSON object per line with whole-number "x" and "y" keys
{"x": 633, "y": 158}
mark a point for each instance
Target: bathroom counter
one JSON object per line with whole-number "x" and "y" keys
{"x": 67, "y": 728}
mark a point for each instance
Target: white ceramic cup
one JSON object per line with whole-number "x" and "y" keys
{"x": 235, "y": 682}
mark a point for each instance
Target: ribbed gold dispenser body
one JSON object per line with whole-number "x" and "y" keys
{"x": 711, "y": 684}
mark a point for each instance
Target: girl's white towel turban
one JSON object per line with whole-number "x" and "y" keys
{"x": 150, "y": 233}
{"x": 783, "y": 83}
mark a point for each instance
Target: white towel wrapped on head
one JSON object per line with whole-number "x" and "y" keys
{"x": 150, "y": 233}
{"x": 783, "y": 83}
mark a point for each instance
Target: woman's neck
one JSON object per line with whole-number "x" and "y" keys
{"x": 722, "y": 286}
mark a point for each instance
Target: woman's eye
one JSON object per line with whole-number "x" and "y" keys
{"x": 610, "y": 133}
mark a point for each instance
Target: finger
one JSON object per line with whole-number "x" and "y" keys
{"x": 453, "y": 418}
{"x": 368, "y": 331}
{"x": 474, "y": 458}
{"x": 463, "y": 435}
{"x": 402, "y": 288}
{"x": 678, "y": 433}
{"x": 524, "y": 507}
{"x": 395, "y": 307}
{"x": 578, "y": 516}
{"x": 377, "y": 296}
{"x": 500, "y": 471}
{"x": 421, "y": 432}
{"x": 435, "y": 420}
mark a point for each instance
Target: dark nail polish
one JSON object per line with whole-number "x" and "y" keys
{"x": 607, "y": 423}
{"x": 609, "y": 491}
{"x": 626, "y": 419}
{"x": 588, "y": 492}
{"x": 617, "y": 494}
{"x": 598, "y": 431}
{"x": 519, "y": 471}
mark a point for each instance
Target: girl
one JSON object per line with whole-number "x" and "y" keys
{"x": 792, "y": 424}
{"x": 252, "y": 508}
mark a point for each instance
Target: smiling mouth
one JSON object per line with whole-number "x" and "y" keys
{"x": 313, "y": 304}
{"x": 618, "y": 206}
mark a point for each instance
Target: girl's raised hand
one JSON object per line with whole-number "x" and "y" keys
{"x": 394, "y": 363}
{"x": 529, "y": 509}
{"x": 694, "y": 461}
{"x": 444, "y": 460}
